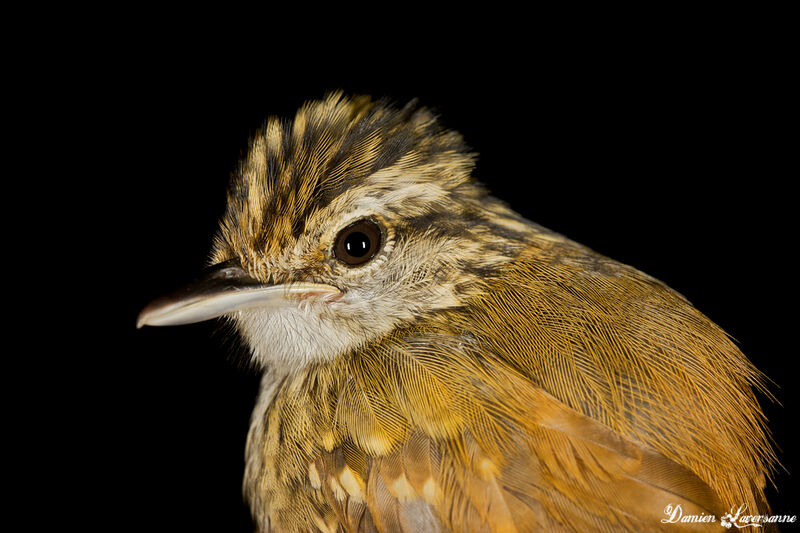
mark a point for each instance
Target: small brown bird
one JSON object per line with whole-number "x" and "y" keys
{"x": 435, "y": 362}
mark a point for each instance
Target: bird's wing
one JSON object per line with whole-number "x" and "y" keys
{"x": 521, "y": 461}
{"x": 624, "y": 349}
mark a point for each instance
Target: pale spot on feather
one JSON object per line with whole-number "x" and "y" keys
{"x": 352, "y": 483}
{"x": 430, "y": 491}
{"x": 376, "y": 444}
{"x": 328, "y": 441}
{"x": 337, "y": 489}
{"x": 487, "y": 469}
{"x": 313, "y": 476}
{"x": 402, "y": 489}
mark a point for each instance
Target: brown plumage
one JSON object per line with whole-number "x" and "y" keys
{"x": 479, "y": 372}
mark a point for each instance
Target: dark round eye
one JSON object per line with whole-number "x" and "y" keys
{"x": 358, "y": 243}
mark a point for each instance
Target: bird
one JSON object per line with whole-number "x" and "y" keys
{"x": 433, "y": 361}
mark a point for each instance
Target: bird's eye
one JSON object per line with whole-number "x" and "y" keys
{"x": 358, "y": 243}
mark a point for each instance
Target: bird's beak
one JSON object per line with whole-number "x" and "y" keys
{"x": 224, "y": 288}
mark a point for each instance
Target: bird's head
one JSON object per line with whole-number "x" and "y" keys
{"x": 352, "y": 220}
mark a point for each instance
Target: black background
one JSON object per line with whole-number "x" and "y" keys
{"x": 674, "y": 156}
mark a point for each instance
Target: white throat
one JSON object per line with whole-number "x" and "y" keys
{"x": 293, "y": 336}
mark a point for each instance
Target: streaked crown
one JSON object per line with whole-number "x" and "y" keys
{"x": 341, "y": 152}
{"x": 344, "y": 161}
